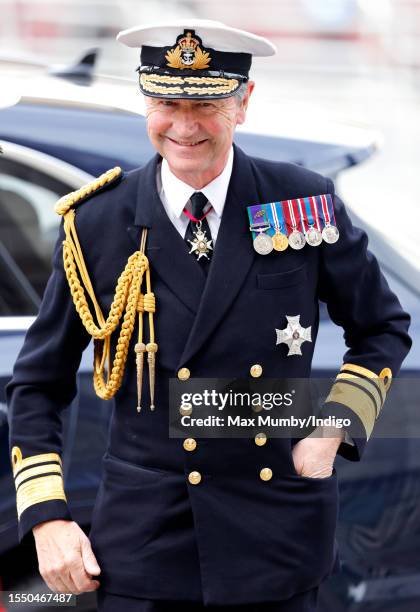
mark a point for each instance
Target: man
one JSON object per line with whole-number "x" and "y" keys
{"x": 198, "y": 523}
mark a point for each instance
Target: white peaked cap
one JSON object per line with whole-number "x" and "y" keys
{"x": 214, "y": 34}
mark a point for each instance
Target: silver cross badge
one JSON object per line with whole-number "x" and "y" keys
{"x": 293, "y": 335}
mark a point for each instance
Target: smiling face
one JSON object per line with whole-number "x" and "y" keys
{"x": 195, "y": 136}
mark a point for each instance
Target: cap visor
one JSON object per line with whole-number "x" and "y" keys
{"x": 190, "y": 87}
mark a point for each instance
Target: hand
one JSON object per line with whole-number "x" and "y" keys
{"x": 65, "y": 557}
{"x": 314, "y": 456}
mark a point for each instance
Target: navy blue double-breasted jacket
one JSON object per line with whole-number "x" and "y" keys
{"x": 232, "y": 538}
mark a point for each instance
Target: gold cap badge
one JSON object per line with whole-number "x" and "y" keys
{"x": 188, "y": 53}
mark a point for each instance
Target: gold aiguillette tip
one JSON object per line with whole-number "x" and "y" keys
{"x": 139, "y": 348}
{"x": 151, "y": 348}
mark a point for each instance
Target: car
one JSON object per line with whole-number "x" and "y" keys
{"x": 55, "y": 136}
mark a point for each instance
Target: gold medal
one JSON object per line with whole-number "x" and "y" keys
{"x": 280, "y": 241}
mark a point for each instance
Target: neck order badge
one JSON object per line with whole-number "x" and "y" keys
{"x": 200, "y": 238}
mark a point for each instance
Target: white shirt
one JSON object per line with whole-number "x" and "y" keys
{"x": 175, "y": 196}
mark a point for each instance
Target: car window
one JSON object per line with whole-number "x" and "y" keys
{"x": 28, "y": 231}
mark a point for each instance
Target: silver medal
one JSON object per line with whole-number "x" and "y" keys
{"x": 330, "y": 234}
{"x": 297, "y": 240}
{"x": 263, "y": 244}
{"x": 313, "y": 236}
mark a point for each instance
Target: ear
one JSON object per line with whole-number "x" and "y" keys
{"x": 244, "y": 103}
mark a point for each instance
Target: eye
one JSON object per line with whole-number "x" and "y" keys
{"x": 206, "y": 104}
{"x": 167, "y": 102}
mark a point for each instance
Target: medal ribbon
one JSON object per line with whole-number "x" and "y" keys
{"x": 325, "y": 211}
{"x": 292, "y": 214}
{"x": 256, "y": 219}
{"x": 315, "y": 211}
{"x": 277, "y": 211}
{"x": 302, "y": 216}
{"x": 330, "y": 207}
{"x": 190, "y": 216}
{"x": 312, "y": 212}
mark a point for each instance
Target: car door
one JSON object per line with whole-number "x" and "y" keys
{"x": 30, "y": 184}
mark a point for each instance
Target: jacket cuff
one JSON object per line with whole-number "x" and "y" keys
{"x": 38, "y": 513}
{"x": 39, "y": 489}
{"x": 358, "y": 394}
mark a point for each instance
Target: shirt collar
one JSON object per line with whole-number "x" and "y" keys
{"x": 177, "y": 193}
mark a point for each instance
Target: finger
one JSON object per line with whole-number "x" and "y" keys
{"x": 65, "y": 586}
{"x": 57, "y": 584}
{"x": 89, "y": 560}
{"x": 80, "y": 577}
{"x": 65, "y": 571}
{"x": 83, "y": 581}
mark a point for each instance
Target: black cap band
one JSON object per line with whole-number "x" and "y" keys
{"x": 237, "y": 63}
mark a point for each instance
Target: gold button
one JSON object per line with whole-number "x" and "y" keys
{"x": 189, "y": 444}
{"x": 185, "y": 409}
{"x": 266, "y": 474}
{"x": 256, "y": 370}
{"x": 260, "y": 439}
{"x": 183, "y": 374}
{"x": 194, "y": 477}
{"x": 257, "y": 407}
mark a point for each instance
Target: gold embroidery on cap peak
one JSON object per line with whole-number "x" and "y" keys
{"x": 167, "y": 85}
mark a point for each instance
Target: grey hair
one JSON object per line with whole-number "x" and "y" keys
{"x": 239, "y": 94}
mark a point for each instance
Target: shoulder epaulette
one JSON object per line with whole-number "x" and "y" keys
{"x": 102, "y": 182}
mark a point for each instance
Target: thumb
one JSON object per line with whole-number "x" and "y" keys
{"x": 89, "y": 559}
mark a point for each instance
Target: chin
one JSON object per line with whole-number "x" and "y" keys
{"x": 185, "y": 164}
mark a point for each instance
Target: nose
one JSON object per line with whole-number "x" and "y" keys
{"x": 185, "y": 122}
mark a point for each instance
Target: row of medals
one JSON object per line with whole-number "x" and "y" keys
{"x": 264, "y": 243}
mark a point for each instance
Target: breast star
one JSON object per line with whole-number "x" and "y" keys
{"x": 294, "y": 335}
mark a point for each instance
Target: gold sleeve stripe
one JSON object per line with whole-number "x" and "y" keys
{"x": 366, "y": 384}
{"x": 351, "y": 367}
{"x": 359, "y": 370}
{"x": 37, "y": 490}
{"x": 355, "y": 398}
{"x": 28, "y": 467}
{"x": 18, "y": 463}
{"x": 37, "y": 471}
{"x": 374, "y": 388}
{"x": 38, "y": 478}
{"x": 376, "y": 382}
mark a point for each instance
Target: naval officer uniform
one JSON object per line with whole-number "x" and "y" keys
{"x": 202, "y": 522}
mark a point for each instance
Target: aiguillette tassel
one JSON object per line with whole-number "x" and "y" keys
{"x": 139, "y": 348}
{"x": 151, "y": 348}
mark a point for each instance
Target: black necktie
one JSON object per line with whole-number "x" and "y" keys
{"x": 198, "y": 202}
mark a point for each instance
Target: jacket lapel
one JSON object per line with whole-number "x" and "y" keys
{"x": 165, "y": 248}
{"x": 232, "y": 257}
{"x": 208, "y": 299}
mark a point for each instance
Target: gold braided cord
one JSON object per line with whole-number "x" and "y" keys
{"x": 128, "y": 301}
{"x": 67, "y": 201}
